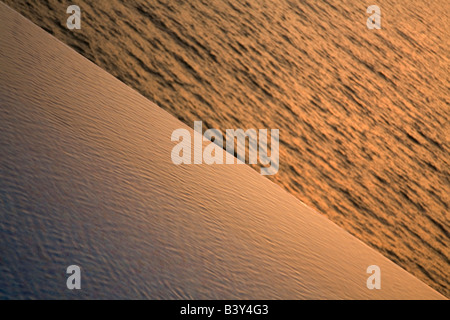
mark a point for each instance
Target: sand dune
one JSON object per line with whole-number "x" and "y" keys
{"x": 86, "y": 178}
{"x": 364, "y": 115}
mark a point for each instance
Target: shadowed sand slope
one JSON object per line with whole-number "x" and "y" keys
{"x": 86, "y": 179}
{"x": 363, "y": 115}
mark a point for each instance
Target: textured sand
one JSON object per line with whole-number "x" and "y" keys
{"x": 86, "y": 179}
{"x": 364, "y": 115}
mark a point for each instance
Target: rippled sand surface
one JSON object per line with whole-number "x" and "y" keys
{"x": 363, "y": 115}
{"x": 86, "y": 180}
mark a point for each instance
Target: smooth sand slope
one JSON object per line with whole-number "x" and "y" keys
{"x": 86, "y": 178}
